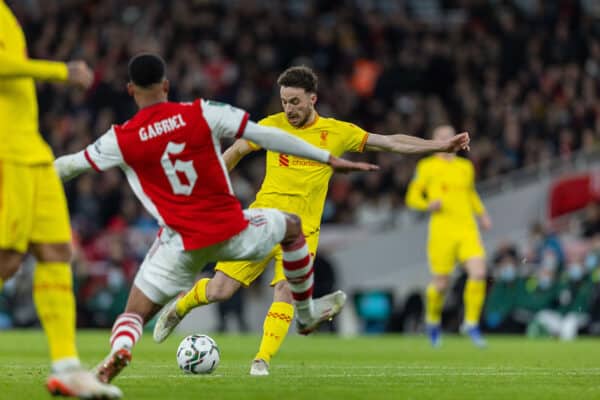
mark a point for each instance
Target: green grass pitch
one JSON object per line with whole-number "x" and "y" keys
{"x": 328, "y": 367}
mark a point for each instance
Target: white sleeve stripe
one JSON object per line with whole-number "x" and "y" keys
{"x": 242, "y": 127}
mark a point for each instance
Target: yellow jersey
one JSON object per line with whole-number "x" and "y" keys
{"x": 453, "y": 183}
{"x": 298, "y": 185}
{"x": 20, "y": 140}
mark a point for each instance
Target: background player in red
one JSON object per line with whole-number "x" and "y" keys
{"x": 171, "y": 155}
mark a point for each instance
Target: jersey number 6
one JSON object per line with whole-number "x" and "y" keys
{"x": 185, "y": 167}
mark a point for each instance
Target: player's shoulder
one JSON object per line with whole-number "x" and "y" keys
{"x": 427, "y": 161}
{"x": 277, "y": 120}
{"x": 465, "y": 162}
{"x": 336, "y": 124}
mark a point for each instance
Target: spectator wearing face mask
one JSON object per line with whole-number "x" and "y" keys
{"x": 572, "y": 305}
{"x": 503, "y": 298}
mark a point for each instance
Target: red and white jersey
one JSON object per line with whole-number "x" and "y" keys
{"x": 171, "y": 155}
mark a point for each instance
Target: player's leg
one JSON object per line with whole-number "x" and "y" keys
{"x": 298, "y": 270}
{"x": 281, "y": 313}
{"x": 53, "y": 288}
{"x": 471, "y": 252}
{"x": 434, "y": 304}
{"x": 229, "y": 277}
{"x": 126, "y": 332}
{"x": 17, "y": 198}
{"x": 441, "y": 262}
{"x": 165, "y": 272}
{"x": 277, "y": 321}
{"x": 55, "y": 301}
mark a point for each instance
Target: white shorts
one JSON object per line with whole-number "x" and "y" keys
{"x": 167, "y": 270}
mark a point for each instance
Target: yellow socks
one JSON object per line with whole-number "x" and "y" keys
{"x": 194, "y": 298}
{"x": 55, "y": 303}
{"x": 434, "y": 306}
{"x": 1, "y": 284}
{"x": 473, "y": 297}
{"x": 275, "y": 329}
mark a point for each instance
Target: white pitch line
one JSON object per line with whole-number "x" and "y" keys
{"x": 373, "y": 375}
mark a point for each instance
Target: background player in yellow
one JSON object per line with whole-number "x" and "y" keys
{"x": 33, "y": 210}
{"x": 295, "y": 185}
{"x": 444, "y": 185}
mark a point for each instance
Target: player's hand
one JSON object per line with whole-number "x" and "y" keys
{"x": 486, "y": 222}
{"x": 434, "y": 206}
{"x": 343, "y": 165}
{"x": 80, "y": 74}
{"x": 457, "y": 143}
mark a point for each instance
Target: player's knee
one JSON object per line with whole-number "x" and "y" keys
{"x": 441, "y": 283}
{"x": 478, "y": 274}
{"x": 476, "y": 269}
{"x": 52, "y": 252}
{"x": 293, "y": 227}
{"x": 282, "y": 292}
{"x": 10, "y": 261}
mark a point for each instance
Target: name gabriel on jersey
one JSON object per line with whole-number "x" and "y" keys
{"x": 166, "y": 125}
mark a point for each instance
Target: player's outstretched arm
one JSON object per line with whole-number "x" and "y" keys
{"x": 234, "y": 154}
{"x": 71, "y": 165}
{"x": 413, "y": 145}
{"x": 101, "y": 155}
{"x": 76, "y": 72}
{"x": 278, "y": 140}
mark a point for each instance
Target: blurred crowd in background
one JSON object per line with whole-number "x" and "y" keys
{"x": 521, "y": 76}
{"x": 550, "y": 286}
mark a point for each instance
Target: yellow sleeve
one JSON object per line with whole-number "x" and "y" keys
{"x": 357, "y": 137}
{"x": 13, "y": 67}
{"x": 415, "y": 195}
{"x": 476, "y": 202}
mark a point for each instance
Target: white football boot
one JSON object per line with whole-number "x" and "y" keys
{"x": 325, "y": 308}
{"x": 81, "y": 384}
{"x": 259, "y": 368}
{"x": 167, "y": 321}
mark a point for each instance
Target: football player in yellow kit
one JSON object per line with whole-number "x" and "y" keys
{"x": 33, "y": 209}
{"x": 444, "y": 185}
{"x": 295, "y": 185}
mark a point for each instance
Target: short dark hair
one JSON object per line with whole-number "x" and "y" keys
{"x": 299, "y": 77}
{"x": 146, "y": 69}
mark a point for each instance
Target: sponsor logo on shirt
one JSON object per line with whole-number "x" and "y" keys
{"x": 284, "y": 160}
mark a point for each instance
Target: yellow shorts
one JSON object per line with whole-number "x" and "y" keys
{"x": 246, "y": 272}
{"x": 33, "y": 207}
{"x": 445, "y": 249}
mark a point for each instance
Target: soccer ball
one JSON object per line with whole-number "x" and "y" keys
{"x": 198, "y": 354}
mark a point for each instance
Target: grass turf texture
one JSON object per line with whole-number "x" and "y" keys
{"x": 327, "y": 367}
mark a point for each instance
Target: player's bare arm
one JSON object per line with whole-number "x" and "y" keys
{"x": 485, "y": 221}
{"x": 80, "y": 74}
{"x": 406, "y": 144}
{"x": 234, "y": 154}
